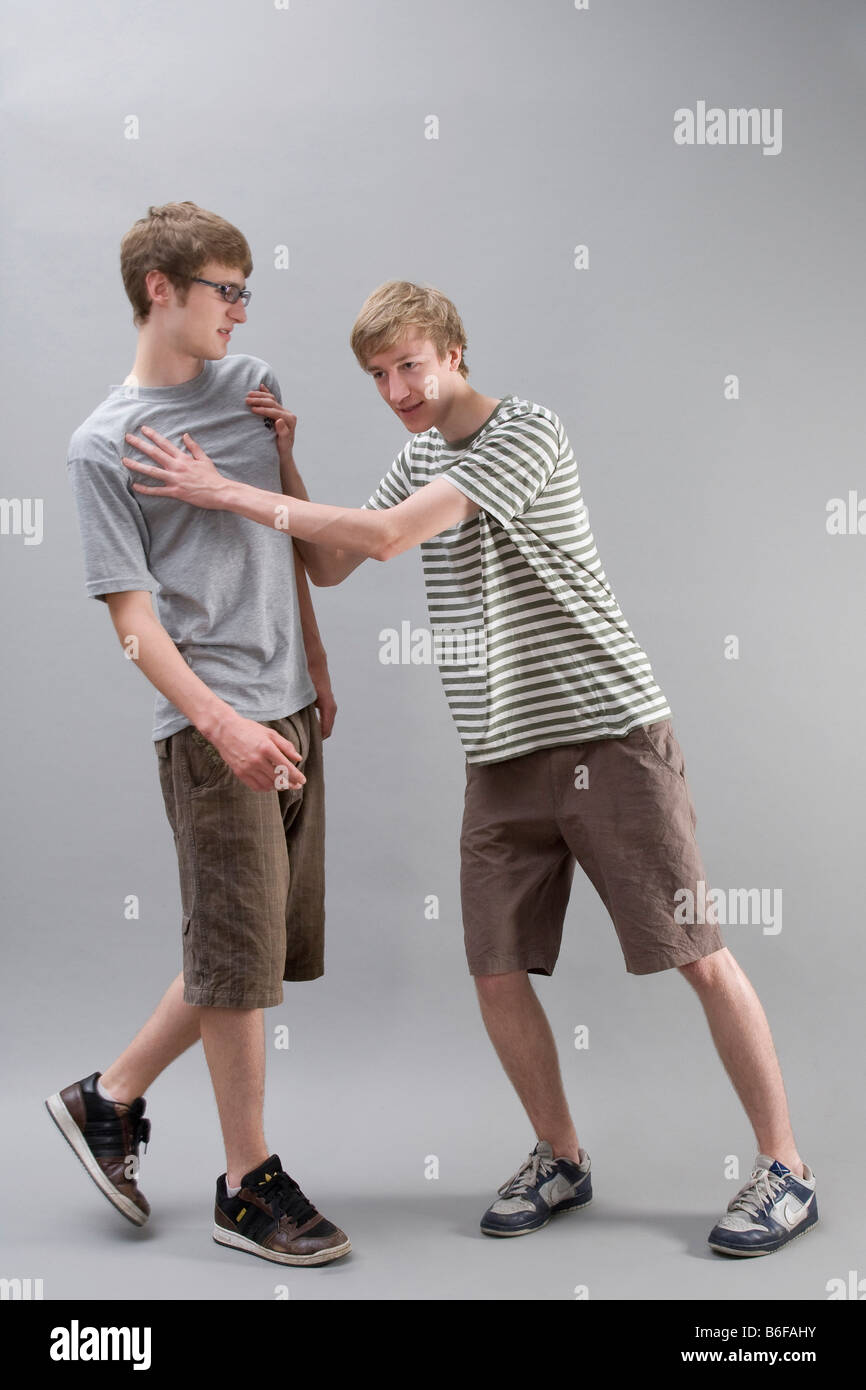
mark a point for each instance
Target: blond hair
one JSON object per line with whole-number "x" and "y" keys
{"x": 398, "y": 305}
{"x": 178, "y": 239}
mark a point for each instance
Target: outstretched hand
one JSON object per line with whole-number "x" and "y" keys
{"x": 190, "y": 476}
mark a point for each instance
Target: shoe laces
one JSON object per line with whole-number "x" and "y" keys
{"x": 527, "y": 1175}
{"x": 285, "y": 1198}
{"x": 762, "y": 1189}
{"x": 139, "y": 1126}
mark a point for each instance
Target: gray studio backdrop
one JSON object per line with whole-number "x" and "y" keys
{"x": 705, "y": 352}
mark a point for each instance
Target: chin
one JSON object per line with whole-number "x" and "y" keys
{"x": 415, "y": 425}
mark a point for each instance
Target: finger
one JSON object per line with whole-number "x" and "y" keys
{"x": 151, "y": 450}
{"x": 157, "y": 491}
{"x": 294, "y": 778}
{"x": 257, "y": 784}
{"x": 194, "y": 447}
{"x": 159, "y": 439}
{"x": 150, "y": 468}
{"x": 284, "y": 746}
{"x": 327, "y": 709}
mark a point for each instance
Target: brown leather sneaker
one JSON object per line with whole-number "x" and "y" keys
{"x": 106, "y": 1138}
{"x": 272, "y": 1218}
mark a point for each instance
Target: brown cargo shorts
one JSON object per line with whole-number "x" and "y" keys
{"x": 251, "y": 866}
{"x": 618, "y": 806}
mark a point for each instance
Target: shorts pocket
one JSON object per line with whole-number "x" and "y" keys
{"x": 205, "y": 767}
{"x": 661, "y": 740}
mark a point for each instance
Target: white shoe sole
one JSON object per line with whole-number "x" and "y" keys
{"x": 70, "y": 1131}
{"x": 239, "y": 1242}
{"x": 530, "y": 1230}
{"x": 751, "y": 1254}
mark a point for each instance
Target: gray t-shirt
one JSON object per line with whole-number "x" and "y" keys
{"x": 225, "y": 586}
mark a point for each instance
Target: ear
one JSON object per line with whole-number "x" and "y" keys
{"x": 159, "y": 287}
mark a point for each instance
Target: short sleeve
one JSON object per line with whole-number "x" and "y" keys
{"x": 113, "y": 530}
{"x": 509, "y": 469}
{"x": 395, "y": 487}
{"x": 269, "y": 378}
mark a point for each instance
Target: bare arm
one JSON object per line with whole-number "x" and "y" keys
{"x": 251, "y": 750}
{"x": 317, "y": 661}
{"x": 192, "y": 477}
{"x": 326, "y": 566}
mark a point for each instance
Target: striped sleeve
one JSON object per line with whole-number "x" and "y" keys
{"x": 508, "y": 470}
{"x": 395, "y": 486}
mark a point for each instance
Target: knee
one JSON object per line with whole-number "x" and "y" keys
{"x": 494, "y": 989}
{"x": 709, "y": 970}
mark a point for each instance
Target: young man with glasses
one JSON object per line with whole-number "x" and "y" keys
{"x": 571, "y": 753}
{"x": 240, "y": 671}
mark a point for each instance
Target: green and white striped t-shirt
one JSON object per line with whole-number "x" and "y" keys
{"x": 531, "y": 644}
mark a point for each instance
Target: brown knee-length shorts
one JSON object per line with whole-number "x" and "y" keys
{"x": 251, "y": 866}
{"x": 620, "y": 807}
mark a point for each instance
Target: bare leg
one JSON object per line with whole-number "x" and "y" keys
{"x": 518, "y": 1028}
{"x": 171, "y": 1029}
{"x": 234, "y": 1044}
{"x": 743, "y": 1040}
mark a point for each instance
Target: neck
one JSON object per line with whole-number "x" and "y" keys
{"x": 158, "y": 363}
{"x": 466, "y": 412}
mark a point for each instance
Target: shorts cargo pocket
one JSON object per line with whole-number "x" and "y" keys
{"x": 205, "y": 767}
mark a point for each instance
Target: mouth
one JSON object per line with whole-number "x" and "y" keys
{"x": 226, "y": 332}
{"x": 407, "y": 410}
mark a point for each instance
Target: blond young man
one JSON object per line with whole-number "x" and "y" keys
{"x": 570, "y": 751}
{"x": 240, "y": 673}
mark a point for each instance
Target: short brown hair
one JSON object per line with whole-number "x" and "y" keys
{"x": 398, "y": 305}
{"x": 179, "y": 239}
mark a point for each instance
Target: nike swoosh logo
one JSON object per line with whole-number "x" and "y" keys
{"x": 793, "y": 1217}
{"x": 557, "y": 1190}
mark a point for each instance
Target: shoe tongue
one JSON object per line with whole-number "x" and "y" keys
{"x": 544, "y": 1148}
{"x": 262, "y": 1175}
{"x": 765, "y": 1161}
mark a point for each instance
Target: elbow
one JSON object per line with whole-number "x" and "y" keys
{"x": 318, "y": 572}
{"x": 388, "y": 544}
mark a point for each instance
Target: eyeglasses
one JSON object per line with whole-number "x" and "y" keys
{"x": 230, "y": 293}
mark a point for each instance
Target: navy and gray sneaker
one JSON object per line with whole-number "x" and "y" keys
{"x": 772, "y": 1209}
{"x": 542, "y": 1187}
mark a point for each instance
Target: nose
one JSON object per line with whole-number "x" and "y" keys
{"x": 397, "y": 389}
{"x": 238, "y": 312}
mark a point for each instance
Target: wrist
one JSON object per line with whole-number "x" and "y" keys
{"x": 213, "y": 721}
{"x": 229, "y": 495}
